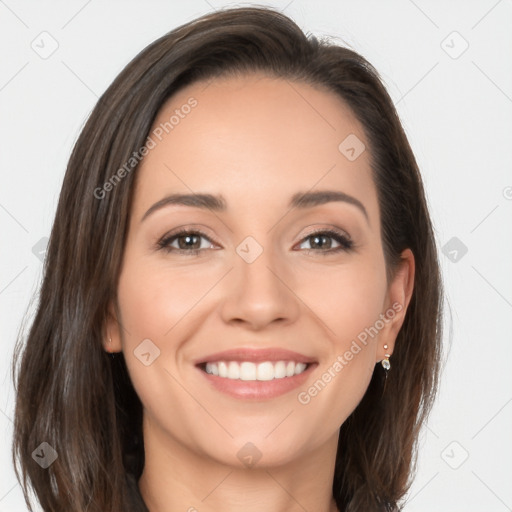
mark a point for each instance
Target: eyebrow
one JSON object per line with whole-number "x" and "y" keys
{"x": 217, "y": 203}
{"x": 310, "y": 199}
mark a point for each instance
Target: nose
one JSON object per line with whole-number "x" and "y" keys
{"x": 260, "y": 293}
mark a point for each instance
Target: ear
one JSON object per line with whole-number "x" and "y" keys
{"x": 397, "y": 301}
{"x": 112, "y": 334}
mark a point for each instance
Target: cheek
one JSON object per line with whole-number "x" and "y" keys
{"x": 346, "y": 299}
{"x": 343, "y": 376}
{"x": 163, "y": 305}
{"x": 348, "y": 302}
{"x": 153, "y": 299}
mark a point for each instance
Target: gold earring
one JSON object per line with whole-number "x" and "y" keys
{"x": 385, "y": 362}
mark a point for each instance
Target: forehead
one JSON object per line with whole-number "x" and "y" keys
{"x": 252, "y": 138}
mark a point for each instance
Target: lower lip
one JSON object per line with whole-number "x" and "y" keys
{"x": 257, "y": 389}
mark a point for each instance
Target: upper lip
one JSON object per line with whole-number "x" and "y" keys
{"x": 256, "y": 356}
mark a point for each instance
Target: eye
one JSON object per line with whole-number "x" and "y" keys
{"x": 190, "y": 242}
{"x": 321, "y": 241}
{"x": 185, "y": 241}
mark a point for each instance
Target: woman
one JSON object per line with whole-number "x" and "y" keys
{"x": 241, "y": 306}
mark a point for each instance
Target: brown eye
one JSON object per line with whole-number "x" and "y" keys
{"x": 322, "y": 241}
{"x": 189, "y": 242}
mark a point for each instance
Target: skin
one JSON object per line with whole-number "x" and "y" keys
{"x": 257, "y": 141}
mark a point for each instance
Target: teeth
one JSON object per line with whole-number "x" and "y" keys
{"x": 233, "y": 370}
{"x": 248, "y": 371}
{"x": 255, "y": 371}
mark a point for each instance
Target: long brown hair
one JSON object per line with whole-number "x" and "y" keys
{"x": 74, "y": 396}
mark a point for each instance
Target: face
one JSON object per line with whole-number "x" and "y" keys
{"x": 257, "y": 313}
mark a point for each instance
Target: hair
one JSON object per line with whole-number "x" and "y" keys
{"x": 79, "y": 399}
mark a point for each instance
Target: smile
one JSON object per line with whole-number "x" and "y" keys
{"x": 249, "y": 371}
{"x": 257, "y": 374}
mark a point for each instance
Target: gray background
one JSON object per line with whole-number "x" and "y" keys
{"x": 448, "y": 68}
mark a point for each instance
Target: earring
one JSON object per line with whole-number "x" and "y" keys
{"x": 385, "y": 362}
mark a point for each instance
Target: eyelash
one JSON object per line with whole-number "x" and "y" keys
{"x": 346, "y": 244}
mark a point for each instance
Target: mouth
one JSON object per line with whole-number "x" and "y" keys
{"x": 256, "y": 374}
